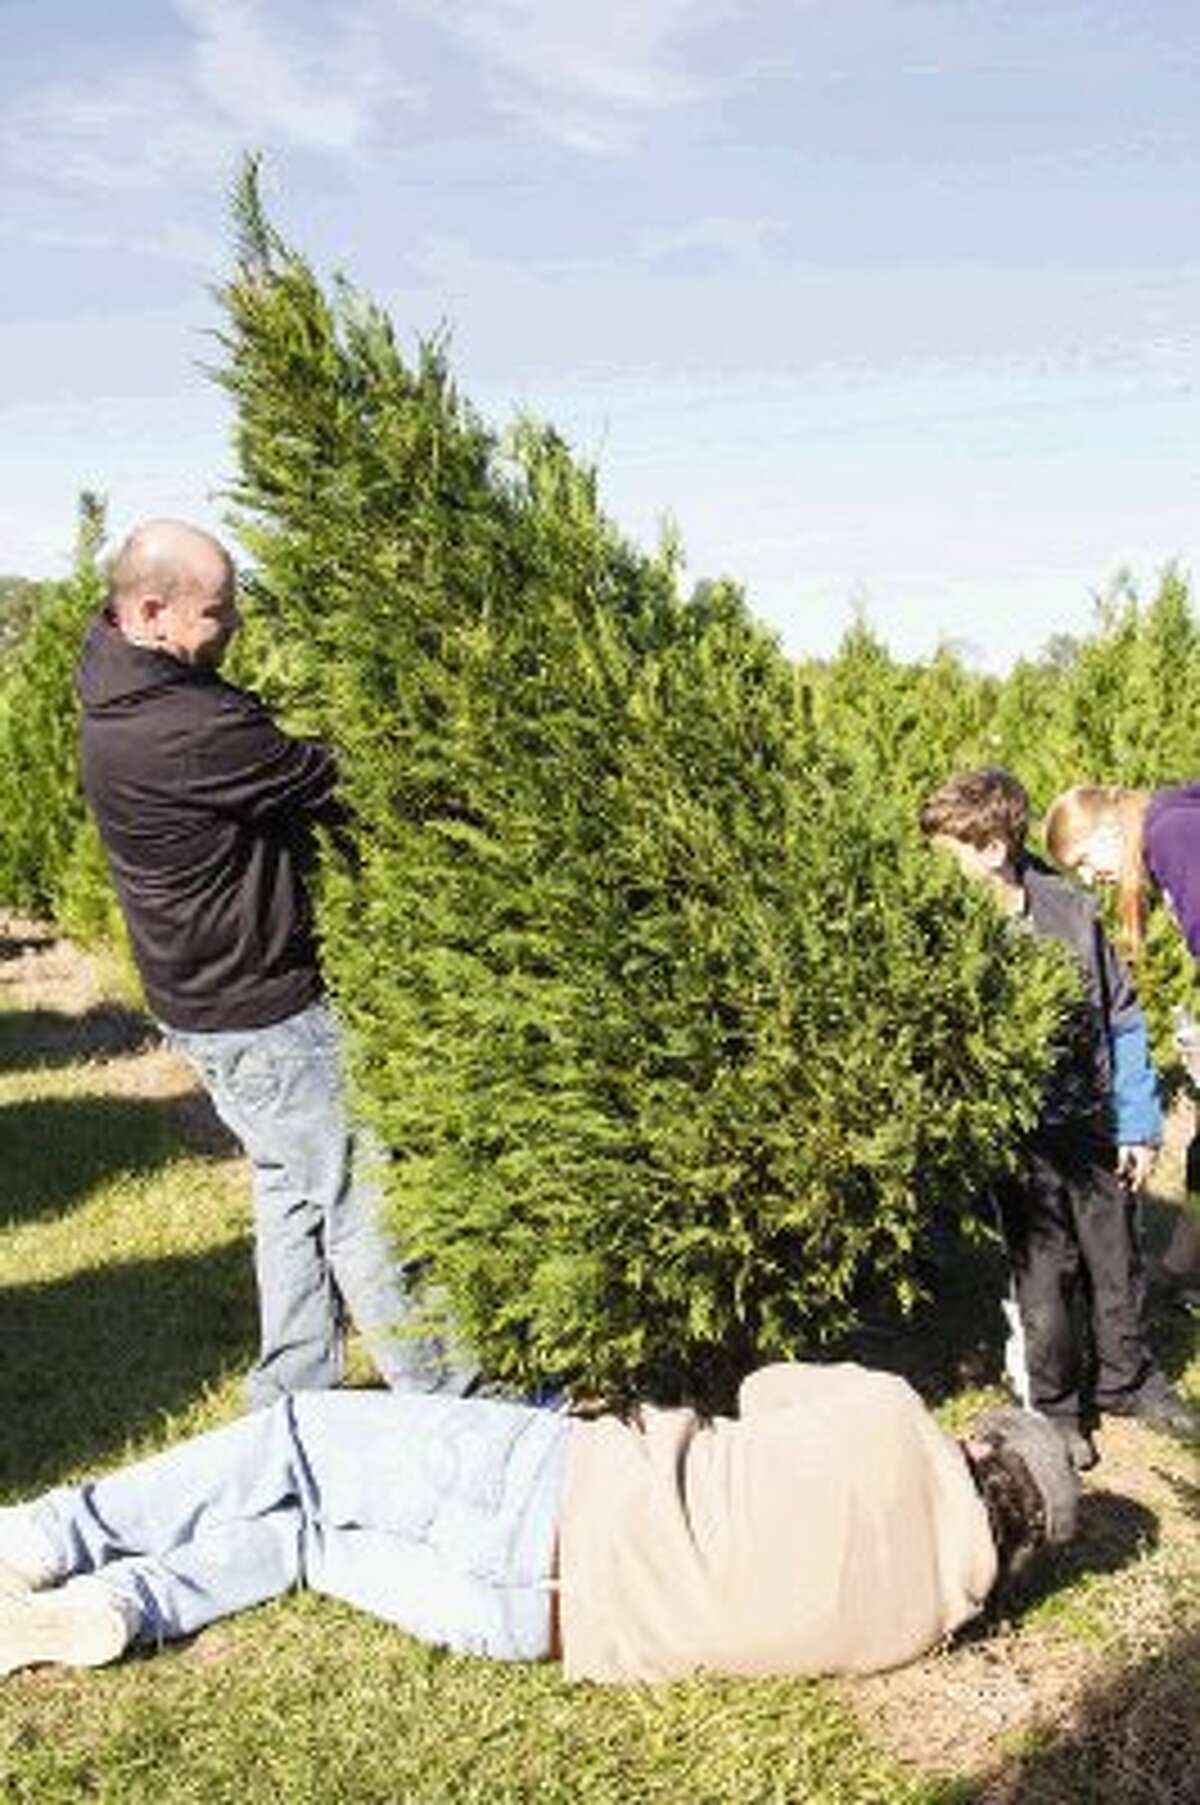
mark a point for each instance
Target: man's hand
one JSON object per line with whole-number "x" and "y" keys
{"x": 1134, "y": 1165}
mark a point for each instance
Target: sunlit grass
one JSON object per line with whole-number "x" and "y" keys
{"x": 128, "y": 1319}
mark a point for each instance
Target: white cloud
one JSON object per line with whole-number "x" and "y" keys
{"x": 129, "y": 136}
{"x": 734, "y": 238}
{"x": 320, "y": 93}
{"x": 343, "y": 79}
{"x": 585, "y": 74}
{"x": 243, "y": 76}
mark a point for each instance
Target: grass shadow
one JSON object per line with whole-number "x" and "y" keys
{"x": 1134, "y": 1740}
{"x": 1187, "y": 1493}
{"x": 1174, "y": 1336}
{"x": 32, "y": 1038}
{"x": 14, "y": 945}
{"x": 1173, "y": 1330}
{"x": 90, "y": 1361}
{"x": 1114, "y": 1530}
{"x": 56, "y": 1150}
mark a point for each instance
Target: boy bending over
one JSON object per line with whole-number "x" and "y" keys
{"x": 1068, "y": 1213}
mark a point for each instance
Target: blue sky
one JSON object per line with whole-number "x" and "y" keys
{"x": 885, "y": 303}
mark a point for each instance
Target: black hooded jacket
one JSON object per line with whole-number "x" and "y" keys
{"x": 205, "y": 809}
{"x": 1082, "y": 1081}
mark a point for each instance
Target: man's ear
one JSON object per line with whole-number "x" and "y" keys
{"x": 145, "y": 613}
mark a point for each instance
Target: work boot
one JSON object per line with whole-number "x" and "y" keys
{"x": 1157, "y": 1403}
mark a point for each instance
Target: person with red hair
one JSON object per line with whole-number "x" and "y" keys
{"x": 1138, "y": 839}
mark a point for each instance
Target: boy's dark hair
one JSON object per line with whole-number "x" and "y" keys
{"x": 978, "y": 807}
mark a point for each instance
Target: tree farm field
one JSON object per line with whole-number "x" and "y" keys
{"x": 127, "y": 1321}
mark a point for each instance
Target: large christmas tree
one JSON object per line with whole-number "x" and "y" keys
{"x": 674, "y": 1029}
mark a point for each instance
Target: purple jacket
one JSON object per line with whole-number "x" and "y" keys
{"x": 1172, "y": 852}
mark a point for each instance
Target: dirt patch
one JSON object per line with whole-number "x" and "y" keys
{"x": 66, "y": 1014}
{"x": 40, "y": 972}
{"x": 1124, "y": 1601}
{"x": 1036, "y": 1674}
{"x": 950, "y": 1714}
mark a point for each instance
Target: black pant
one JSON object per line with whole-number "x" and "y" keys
{"x": 1192, "y": 1169}
{"x": 1069, "y": 1226}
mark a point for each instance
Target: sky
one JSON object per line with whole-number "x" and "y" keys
{"x": 888, "y": 306}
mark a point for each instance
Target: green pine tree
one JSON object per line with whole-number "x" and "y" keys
{"x": 907, "y": 724}
{"x": 20, "y": 600}
{"x": 42, "y": 809}
{"x": 675, "y": 1031}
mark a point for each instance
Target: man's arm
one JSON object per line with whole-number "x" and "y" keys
{"x": 243, "y": 765}
{"x": 1137, "y": 1112}
{"x": 1136, "y": 1108}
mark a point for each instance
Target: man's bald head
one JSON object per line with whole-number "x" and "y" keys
{"x": 172, "y": 589}
{"x": 161, "y": 555}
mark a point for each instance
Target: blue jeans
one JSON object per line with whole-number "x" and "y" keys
{"x": 320, "y": 1252}
{"x": 436, "y": 1513}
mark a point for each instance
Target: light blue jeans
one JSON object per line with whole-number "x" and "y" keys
{"x": 319, "y": 1250}
{"x": 436, "y": 1513}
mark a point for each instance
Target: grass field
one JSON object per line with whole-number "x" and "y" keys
{"x": 126, "y": 1319}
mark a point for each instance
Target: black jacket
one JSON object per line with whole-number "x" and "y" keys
{"x": 205, "y": 810}
{"x": 1082, "y": 1081}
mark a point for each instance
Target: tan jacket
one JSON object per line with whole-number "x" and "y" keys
{"x": 832, "y": 1527}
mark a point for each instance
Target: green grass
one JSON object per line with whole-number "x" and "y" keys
{"x": 305, "y": 1700}
{"x": 127, "y": 1318}
{"x": 124, "y": 1261}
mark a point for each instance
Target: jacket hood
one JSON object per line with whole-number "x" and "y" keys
{"x": 112, "y": 672}
{"x": 1057, "y": 904}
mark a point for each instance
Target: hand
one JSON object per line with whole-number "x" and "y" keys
{"x": 1134, "y": 1165}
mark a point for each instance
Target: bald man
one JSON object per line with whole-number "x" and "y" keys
{"x": 206, "y": 812}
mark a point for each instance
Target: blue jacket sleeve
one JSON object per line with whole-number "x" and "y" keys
{"x": 1137, "y": 1111}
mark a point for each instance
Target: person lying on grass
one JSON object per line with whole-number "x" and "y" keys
{"x": 830, "y": 1527}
